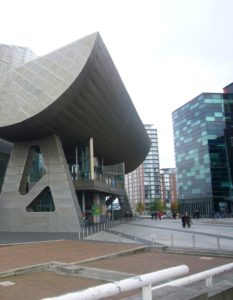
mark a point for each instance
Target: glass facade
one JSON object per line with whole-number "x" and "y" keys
{"x": 203, "y": 177}
{"x": 151, "y": 168}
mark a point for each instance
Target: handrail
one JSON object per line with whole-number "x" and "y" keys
{"x": 110, "y": 289}
{"x": 207, "y": 275}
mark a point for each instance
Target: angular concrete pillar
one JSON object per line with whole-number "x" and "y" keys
{"x": 66, "y": 216}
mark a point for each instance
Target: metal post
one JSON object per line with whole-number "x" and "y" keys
{"x": 172, "y": 239}
{"x": 209, "y": 282}
{"x": 105, "y": 235}
{"x": 135, "y": 237}
{"x": 218, "y": 243}
{"x": 79, "y": 235}
{"x": 119, "y": 235}
{"x": 146, "y": 292}
{"x": 194, "y": 240}
{"x": 153, "y": 241}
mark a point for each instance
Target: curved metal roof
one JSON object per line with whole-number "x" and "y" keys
{"x": 76, "y": 93}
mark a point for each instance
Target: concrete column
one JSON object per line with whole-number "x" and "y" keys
{"x": 91, "y": 155}
{"x": 96, "y": 202}
{"x": 13, "y": 214}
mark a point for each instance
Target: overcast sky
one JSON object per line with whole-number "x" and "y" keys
{"x": 166, "y": 51}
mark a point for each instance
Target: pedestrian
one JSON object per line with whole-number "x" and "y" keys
{"x": 183, "y": 221}
{"x": 187, "y": 219}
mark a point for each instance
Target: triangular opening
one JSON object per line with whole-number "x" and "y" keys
{"x": 43, "y": 202}
{"x": 34, "y": 170}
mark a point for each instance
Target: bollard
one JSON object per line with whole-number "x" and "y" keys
{"x": 119, "y": 235}
{"x": 153, "y": 241}
{"x": 91, "y": 230}
{"x": 135, "y": 237}
{"x": 87, "y": 231}
{"x": 172, "y": 239}
{"x": 105, "y": 235}
{"x": 194, "y": 240}
{"x": 79, "y": 235}
{"x": 218, "y": 243}
{"x": 83, "y": 232}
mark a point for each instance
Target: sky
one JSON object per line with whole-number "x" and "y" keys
{"x": 166, "y": 51}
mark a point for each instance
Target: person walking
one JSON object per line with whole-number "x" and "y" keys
{"x": 187, "y": 219}
{"x": 183, "y": 221}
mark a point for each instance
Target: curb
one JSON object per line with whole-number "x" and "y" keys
{"x": 195, "y": 251}
{"x": 50, "y": 265}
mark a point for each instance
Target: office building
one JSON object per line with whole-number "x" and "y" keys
{"x": 143, "y": 184}
{"x": 134, "y": 184}
{"x": 168, "y": 186}
{"x": 203, "y": 151}
{"x": 72, "y": 133}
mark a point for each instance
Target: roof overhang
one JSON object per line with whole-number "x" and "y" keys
{"x": 76, "y": 93}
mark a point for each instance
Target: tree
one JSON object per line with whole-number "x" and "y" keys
{"x": 140, "y": 207}
{"x": 157, "y": 205}
{"x": 175, "y": 206}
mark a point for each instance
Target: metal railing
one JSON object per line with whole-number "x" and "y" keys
{"x": 110, "y": 289}
{"x": 145, "y": 281}
{"x": 95, "y": 228}
{"x": 206, "y": 275}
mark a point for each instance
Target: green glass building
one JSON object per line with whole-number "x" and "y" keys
{"x": 202, "y": 140}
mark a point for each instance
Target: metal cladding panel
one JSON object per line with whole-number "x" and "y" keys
{"x": 76, "y": 93}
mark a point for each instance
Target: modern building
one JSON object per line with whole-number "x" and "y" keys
{"x": 134, "y": 183}
{"x": 168, "y": 186}
{"x": 72, "y": 133}
{"x": 143, "y": 184}
{"x": 203, "y": 150}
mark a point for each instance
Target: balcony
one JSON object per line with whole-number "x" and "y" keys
{"x": 112, "y": 184}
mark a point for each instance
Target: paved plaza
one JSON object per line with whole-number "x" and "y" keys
{"x": 204, "y": 233}
{"x": 121, "y": 250}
